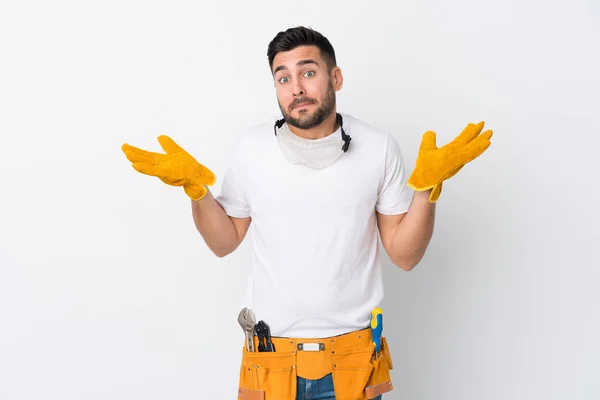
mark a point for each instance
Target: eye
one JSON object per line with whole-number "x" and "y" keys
{"x": 283, "y": 79}
{"x": 309, "y": 73}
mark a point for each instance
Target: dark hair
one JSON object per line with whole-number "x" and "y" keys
{"x": 301, "y": 36}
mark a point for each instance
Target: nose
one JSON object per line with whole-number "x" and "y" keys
{"x": 298, "y": 89}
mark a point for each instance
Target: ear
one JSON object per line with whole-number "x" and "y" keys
{"x": 337, "y": 78}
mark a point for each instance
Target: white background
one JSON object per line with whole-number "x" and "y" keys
{"x": 107, "y": 291}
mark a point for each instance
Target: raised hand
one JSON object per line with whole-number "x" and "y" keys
{"x": 176, "y": 168}
{"x": 435, "y": 165}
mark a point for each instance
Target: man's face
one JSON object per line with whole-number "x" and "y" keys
{"x": 305, "y": 91}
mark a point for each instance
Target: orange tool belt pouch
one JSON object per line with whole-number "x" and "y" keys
{"x": 358, "y": 373}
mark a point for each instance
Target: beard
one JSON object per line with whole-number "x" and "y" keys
{"x": 307, "y": 120}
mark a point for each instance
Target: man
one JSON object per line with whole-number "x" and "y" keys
{"x": 319, "y": 188}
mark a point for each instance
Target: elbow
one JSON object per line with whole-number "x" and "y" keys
{"x": 221, "y": 253}
{"x": 406, "y": 264}
{"x": 224, "y": 251}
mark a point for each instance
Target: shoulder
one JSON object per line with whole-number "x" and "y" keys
{"x": 360, "y": 126}
{"x": 369, "y": 136}
{"x": 258, "y": 134}
{"x": 260, "y": 130}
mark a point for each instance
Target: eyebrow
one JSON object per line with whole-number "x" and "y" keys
{"x": 299, "y": 64}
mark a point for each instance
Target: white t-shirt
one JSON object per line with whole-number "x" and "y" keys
{"x": 315, "y": 270}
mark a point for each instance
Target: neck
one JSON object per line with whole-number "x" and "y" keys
{"x": 325, "y": 128}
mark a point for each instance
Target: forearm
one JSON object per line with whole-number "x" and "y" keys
{"x": 215, "y": 226}
{"x": 413, "y": 234}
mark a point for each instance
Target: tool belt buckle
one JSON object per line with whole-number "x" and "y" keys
{"x": 311, "y": 347}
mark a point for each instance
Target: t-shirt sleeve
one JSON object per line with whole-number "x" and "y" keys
{"x": 233, "y": 196}
{"x": 394, "y": 196}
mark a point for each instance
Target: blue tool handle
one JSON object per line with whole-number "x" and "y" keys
{"x": 377, "y": 327}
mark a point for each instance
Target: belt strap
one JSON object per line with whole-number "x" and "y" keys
{"x": 313, "y": 355}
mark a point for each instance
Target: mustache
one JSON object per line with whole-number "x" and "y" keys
{"x": 302, "y": 100}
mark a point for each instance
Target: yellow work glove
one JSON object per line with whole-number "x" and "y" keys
{"x": 176, "y": 168}
{"x": 435, "y": 165}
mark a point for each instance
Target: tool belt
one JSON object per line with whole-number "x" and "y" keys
{"x": 358, "y": 372}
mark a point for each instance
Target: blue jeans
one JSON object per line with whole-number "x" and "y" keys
{"x": 320, "y": 389}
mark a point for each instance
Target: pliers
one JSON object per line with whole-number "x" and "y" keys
{"x": 264, "y": 337}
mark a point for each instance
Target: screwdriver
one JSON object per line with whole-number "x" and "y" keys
{"x": 377, "y": 327}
